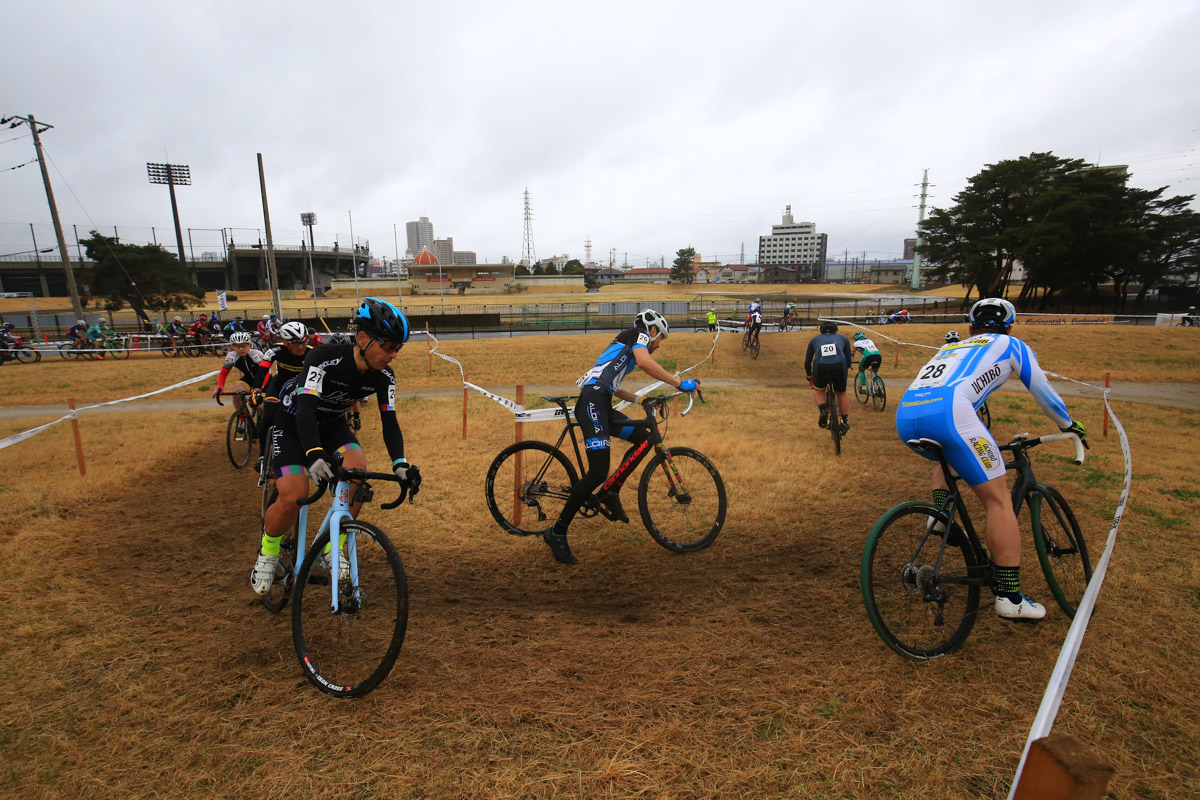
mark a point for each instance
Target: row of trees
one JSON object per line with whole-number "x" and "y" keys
{"x": 1071, "y": 227}
{"x": 145, "y": 276}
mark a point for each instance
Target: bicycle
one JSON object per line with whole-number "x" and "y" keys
{"x": 750, "y": 342}
{"x": 346, "y": 641}
{"x": 22, "y": 353}
{"x": 788, "y": 322}
{"x": 681, "y": 496}
{"x": 985, "y": 415}
{"x": 875, "y": 391}
{"x": 835, "y": 418}
{"x": 241, "y": 433}
{"x": 921, "y": 586}
{"x": 109, "y": 347}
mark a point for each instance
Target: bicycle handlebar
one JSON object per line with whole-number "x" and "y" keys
{"x": 661, "y": 399}
{"x": 221, "y": 391}
{"x": 1022, "y": 440}
{"x": 407, "y": 491}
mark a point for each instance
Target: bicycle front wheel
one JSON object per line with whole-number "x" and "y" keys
{"x": 348, "y": 652}
{"x": 920, "y": 608}
{"x": 746, "y": 342}
{"x": 755, "y": 346}
{"x": 239, "y": 439}
{"x": 878, "y": 394}
{"x": 527, "y": 486}
{"x": 682, "y": 500}
{"x": 27, "y": 355}
{"x": 1060, "y": 547}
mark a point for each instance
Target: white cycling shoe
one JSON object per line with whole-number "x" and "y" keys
{"x": 263, "y": 574}
{"x": 343, "y": 565}
{"x": 1026, "y": 610}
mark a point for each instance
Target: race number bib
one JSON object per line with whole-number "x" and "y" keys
{"x": 936, "y": 372}
{"x": 828, "y": 351}
{"x": 314, "y": 381}
{"x": 391, "y": 397}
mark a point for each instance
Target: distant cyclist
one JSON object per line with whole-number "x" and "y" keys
{"x": 826, "y": 362}
{"x": 789, "y": 314}
{"x": 77, "y": 333}
{"x": 940, "y": 405}
{"x": 243, "y": 358}
{"x": 900, "y": 316}
{"x": 1190, "y": 320}
{"x": 755, "y": 308}
{"x": 600, "y": 422}
{"x": 756, "y": 321}
{"x": 234, "y": 326}
{"x": 99, "y": 333}
{"x": 288, "y": 360}
{"x": 871, "y": 359}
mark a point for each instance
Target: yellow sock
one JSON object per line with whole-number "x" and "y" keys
{"x": 270, "y": 545}
{"x": 341, "y": 543}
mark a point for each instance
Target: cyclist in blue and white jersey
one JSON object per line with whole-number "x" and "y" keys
{"x": 940, "y": 405}
{"x": 311, "y": 424}
{"x": 599, "y": 421}
{"x": 755, "y": 308}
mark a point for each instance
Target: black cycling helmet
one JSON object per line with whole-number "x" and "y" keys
{"x": 382, "y": 320}
{"x": 829, "y": 327}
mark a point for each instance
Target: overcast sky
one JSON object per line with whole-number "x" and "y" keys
{"x": 646, "y": 126}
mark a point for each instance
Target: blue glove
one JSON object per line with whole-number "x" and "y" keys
{"x": 688, "y": 385}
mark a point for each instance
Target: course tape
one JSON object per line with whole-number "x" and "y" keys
{"x": 523, "y": 414}
{"x": 23, "y": 435}
{"x": 1043, "y": 722}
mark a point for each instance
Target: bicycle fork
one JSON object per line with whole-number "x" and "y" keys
{"x": 678, "y": 489}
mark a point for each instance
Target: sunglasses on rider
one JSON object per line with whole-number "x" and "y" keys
{"x": 390, "y": 347}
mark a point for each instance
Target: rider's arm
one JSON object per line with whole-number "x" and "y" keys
{"x": 1025, "y": 365}
{"x": 263, "y": 373}
{"x": 221, "y": 377}
{"x": 652, "y": 368}
{"x": 808, "y": 358}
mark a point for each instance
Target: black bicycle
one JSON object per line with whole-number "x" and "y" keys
{"x": 924, "y": 565}
{"x": 681, "y": 497}
{"x": 241, "y": 432}
{"x": 835, "y": 418}
{"x": 750, "y": 342}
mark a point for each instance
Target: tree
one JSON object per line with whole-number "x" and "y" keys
{"x": 681, "y": 267}
{"x": 146, "y": 277}
{"x": 573, "y": 267}
{"x": 521, "y": 269}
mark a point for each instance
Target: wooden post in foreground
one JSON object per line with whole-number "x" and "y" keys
{"x": 897, "y": 355}
{"x": 429, "y": 347}
{"x": 1062, "y": 768}
{"x": 78, "y": 440}
{"x": 1107, "y": 385}
{"x": 517, "y": 458}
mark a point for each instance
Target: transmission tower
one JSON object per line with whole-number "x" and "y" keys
{"x": 587, "y": 249}
{"x": 528, "y": 251}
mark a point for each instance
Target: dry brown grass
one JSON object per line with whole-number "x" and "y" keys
{"x": 137, "y": 663}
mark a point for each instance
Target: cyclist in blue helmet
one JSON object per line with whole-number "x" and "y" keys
{"x": 311, "y": 426}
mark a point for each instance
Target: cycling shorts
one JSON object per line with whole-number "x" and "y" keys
{"x": 870, "y": 362}
{"x": 824, "y": 374}
{"x": 951, "y": 421}
{"x": 599, "y": 421}
{"x": 287, "y": 453}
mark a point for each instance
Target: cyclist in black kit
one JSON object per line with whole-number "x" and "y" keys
{"x": 245, "y": 359}
{"x": 288, "y": 358}
{"x": 826, "y": 361}
{"x": 310, "y": 424}
{"x": 599, "y": 420}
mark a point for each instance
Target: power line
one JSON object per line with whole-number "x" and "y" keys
{"x": 18, "y": 166}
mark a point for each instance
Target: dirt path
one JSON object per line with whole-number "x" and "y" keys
{"x": 1172, "y": 395}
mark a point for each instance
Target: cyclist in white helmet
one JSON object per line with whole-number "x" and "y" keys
{"x": 600, "y": 421}
{"x": 940, "y": 405}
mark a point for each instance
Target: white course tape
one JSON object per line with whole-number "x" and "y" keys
{"x": 23, "y": 435}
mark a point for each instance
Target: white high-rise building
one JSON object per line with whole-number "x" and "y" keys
{"x": 420, "y": 235}
{"x": 794, "y": 244}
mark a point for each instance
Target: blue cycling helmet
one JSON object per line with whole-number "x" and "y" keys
{"x": 382, "y": 320}
{"x": 992, "y": 313}
{"x": 858, "y": 337}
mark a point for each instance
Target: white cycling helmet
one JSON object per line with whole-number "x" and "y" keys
{"x": 649, "y": 317}
{"x": 179, "y": 319}
{"x": 952, "y": 336}
{"x": 294, "y": 332}
{"x": 992, "y": 313}
{"x": 266, "y": 316}
{"x": 239, "y": 337}
{"x": 80, "y": 322}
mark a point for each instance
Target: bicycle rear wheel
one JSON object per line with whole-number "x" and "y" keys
{"x": 835, "y": 418}
{"x": 1060, "y": 547}
{"x": 682, "y": 501}
{"x": 347, "y": 653}
{"x": 527, "y": 486}
{"x": 919, "y": 609}
{"x": 239, "y": 438}
{"x": 755, "y": 346}
{"x": 878, "y": 394}
{"x": 985, "y": 415}
{"x": 746, "y": 341}
{"x": 860, "y": 388}
{"x": 27, "y": 355}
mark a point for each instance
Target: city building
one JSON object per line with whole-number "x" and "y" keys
{"x": 794, "y": 244}
{"x": 420, "y": 235}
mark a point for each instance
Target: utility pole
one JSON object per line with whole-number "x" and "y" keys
{"x": 271, "y": 272}
{"x": 916, "y": 275}
{"x": 33, "y": 124}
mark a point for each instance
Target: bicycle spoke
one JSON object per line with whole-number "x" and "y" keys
{"x": 682, "y": 500}
{"x": 527, "y": 486}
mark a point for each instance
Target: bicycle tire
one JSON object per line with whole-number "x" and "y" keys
{"x": 985, "y": 415}
{"x": 546, "y": 480}
{"x": 905, "y": 606}
{"x": 348, "y": 653}
{"x": 691, "y": 524}
{"x": 285, "y": 574}
{"x": 746, "y": 341}
{"x": 239, "y": 445}
{"x": 860, "y": 389}
{"x": 835, "y": 418}
{"x": 119, "y": 353}
{"x": 755, "y": 347}
{"x": 878, "y": 394}
{"x": 1060, "y": 545}
{"x": 27, "y": 355}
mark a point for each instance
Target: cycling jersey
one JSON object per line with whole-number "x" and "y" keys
{"x": 76, "y": 331}
{"x": 615, "y": 362}
{"x": 328, "y": 385}
{"x": 756, "y": 321}
{"x": 941, "y": 403}
{"x": 98, "y": 332}
{"x": 287, "y": 366}
{"x": 235, "y": 326}
{"x": 246, "y": 364}
{"x": 866, "y": 347}
{"x": 827, "y": 350}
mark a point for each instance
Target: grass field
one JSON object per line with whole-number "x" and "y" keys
{"x": 138, "y": 663}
